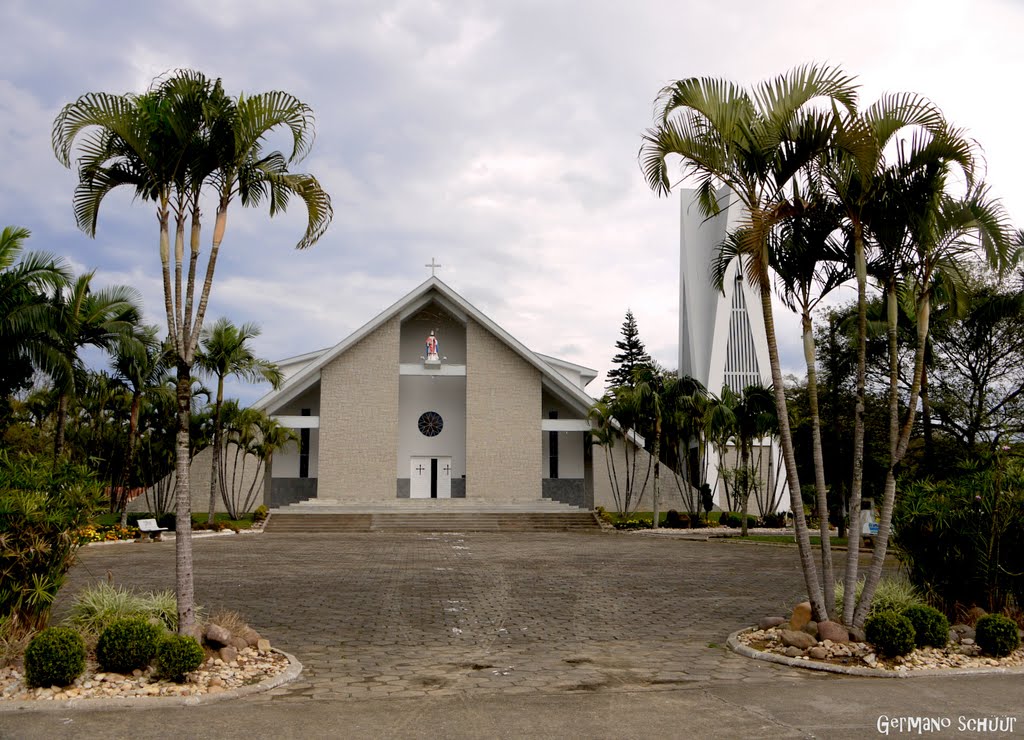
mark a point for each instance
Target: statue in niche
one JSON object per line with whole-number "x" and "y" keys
{"x": 432, "y": 348}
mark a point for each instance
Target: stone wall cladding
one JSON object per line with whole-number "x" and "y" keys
{"x": 503, "y": 412}
{"x": 359, "y": 418}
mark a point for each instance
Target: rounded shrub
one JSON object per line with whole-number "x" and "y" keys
{"x": 54, "y": 657}
{"x": 891, "y": 633}
{"x": 127, "y": 644}
{"x": 997, "y": 635}
{"x": 178, "y": 655}
{"x": 675, "y": 520}
{"x": 930, "y": 625}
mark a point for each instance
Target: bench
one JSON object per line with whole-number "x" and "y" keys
{"x": 149, "y": 530}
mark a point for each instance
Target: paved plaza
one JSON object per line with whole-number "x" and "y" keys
{"x": 511, "y": 635}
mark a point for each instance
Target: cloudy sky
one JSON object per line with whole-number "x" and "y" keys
{"x": 499, "y": 137}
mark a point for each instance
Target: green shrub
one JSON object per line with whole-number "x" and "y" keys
{"x": 127, "y": 644}
{"x": 177, "y": 655}
{"x": 930, "y": 625}
{"x": 979, "y": 516}
{"x": 97, "y": 607}
{"x": 892, "y": 634}
{"x": 261, "y": 513}
{"x": 635, "y": 524}
{"x": 42, "y": 507}
{"x": 774, "y": 521}
{"x": 675, "y": 520}
{"x": 735, "y": 520}
{"x": 54, "y": 657}
{"x": 997, "y": 635}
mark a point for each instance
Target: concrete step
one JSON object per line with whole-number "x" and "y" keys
{"x": 449, "y": 522}
{"x": 424, "y": 506}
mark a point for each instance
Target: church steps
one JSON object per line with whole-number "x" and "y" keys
{"x": 426, "y": 522}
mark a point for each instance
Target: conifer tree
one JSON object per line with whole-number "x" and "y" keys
{"x": 632, "y": 355}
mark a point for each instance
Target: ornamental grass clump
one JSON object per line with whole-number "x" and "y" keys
{"x": 892, "y": 595}
{"x": 178, "y": 655}
{"x": 127, "y": 645}
{"x": 892, "y": 634}
{"x": 997, "y": 635}
{"x": 931, "y": 628}
{"x": 98, "y": 606}
{"x": 54, "y": 657}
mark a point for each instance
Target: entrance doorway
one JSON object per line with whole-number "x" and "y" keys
{"x": 430, "y": 477}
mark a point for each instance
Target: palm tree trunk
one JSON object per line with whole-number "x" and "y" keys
{"x": 657, "y": 475}
{"x": 857, "y": 481}
{"x": 899, "y": 451}
{"x": 215, "y": 464}
{"x": 183, "y": 506}
{"x": 803, "y": 537}
{"x": 129, "y": 458}
{"x": 745, "y": 492}
{"x": 63, "y": 401}
{"x": 827, "y": 573}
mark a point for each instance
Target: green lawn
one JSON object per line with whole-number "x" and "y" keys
{"x": 107, "y": 519}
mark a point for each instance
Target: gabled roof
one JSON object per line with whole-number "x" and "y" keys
{"x": 432, "y": 289}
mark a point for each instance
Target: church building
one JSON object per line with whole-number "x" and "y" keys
{"x": 432, "y": 399}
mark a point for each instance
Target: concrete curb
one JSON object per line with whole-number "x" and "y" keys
{"x": 148, "y": 702}
{"x": 746, "y": 651}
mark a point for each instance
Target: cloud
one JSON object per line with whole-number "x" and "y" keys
{"x": 498, "y": 137}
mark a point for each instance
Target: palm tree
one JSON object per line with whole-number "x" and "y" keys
{"x": 224, "y": 351}
{"x": 938, "y": 232}
{"x": 140, "y": 362}
{"x": 82, "y": 318}
{"x": 754, "y": 414}
{"x": 851, "y": 171}
{"x": 253, "y": 435}
{"x": 26, "y": 281}
{"x": 809, "y": 262}
{"x": 754, "y": 144}
{"x": 171, "y": 145}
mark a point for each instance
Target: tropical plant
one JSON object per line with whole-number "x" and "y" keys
{"x": 26, "y": 281}
{"x": 140, "y": 362}
{"x": 614, "y": 420}
{"x": 224, "y": 351}
{"x": 84, "y": 318}
{"x": 183, "y": 138}
{"x": 254, "y": 437}
{"x": 42, "y": 505}
{"x": 754, "y": 144}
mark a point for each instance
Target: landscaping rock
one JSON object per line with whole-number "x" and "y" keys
{"x": 856, "y": 634}
{"x": 263, "y": 645}
{"x": 251, "y": 636}
{"x": 818, "y": 652}
{"x": 793, "y": 652}
{"x": 832, "y": 631}
{"x": 228, "y": 654}
{"x": 964, "y": 631}
{"x": 217, "y": 636}
{"x": 870, "y": 659}
{"x": 801, "y": 615}
{"x": 801, "y": 640}
{"x": 811, "y": 628}
{"x": 971, "y": 650}
{"x": 239, "y": 643}
{"x": 766, "y": 623}
{"x": 954, "y": 637}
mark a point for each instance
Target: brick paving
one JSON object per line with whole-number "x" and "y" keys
{"x": 418, "y": 614}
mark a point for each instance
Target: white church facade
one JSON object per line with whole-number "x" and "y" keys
{"x": 432, "y": 399}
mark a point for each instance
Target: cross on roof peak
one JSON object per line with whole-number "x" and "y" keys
{"x": 433, "y": 266}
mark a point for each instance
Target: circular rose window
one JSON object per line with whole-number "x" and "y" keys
{"x": 430, "y": 424}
